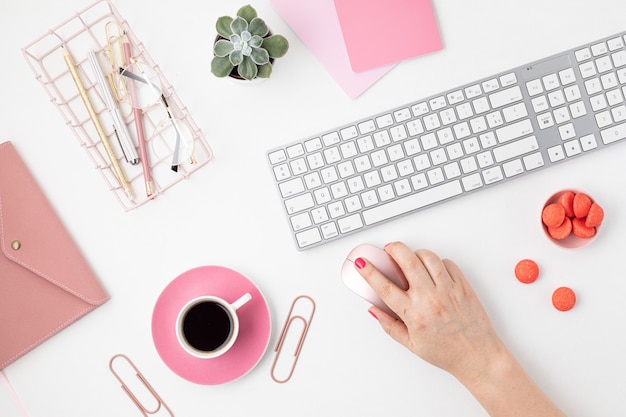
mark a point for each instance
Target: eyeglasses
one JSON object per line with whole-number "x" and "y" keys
{"x": 169, "y": 136}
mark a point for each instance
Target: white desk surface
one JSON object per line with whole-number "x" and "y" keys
{"x": 228, "y": 214}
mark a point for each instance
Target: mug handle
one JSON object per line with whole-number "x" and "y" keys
{"x": 241, "y": 301}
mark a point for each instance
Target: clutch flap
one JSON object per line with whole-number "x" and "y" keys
{"x": 32, "y": 235}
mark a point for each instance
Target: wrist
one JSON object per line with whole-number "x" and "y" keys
{"x": 504, "y": 389}
{"x": 488, "y": 367}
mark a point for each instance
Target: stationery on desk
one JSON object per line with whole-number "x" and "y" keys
{"x": 117, "y": 169}
{"x": 143, "y": 157}
{"x": 119, "y": 127}
{"x": 343, "y": 33}
{"x": 383, "y": 32}
{"x": 316, "y": 24}
{"x": 163, "y": 144}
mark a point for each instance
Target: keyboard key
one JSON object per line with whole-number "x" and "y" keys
{"x": 384, "y": 121}
{"x": 515, "y": 112}
{"x": 469, "y": 165}
{"x": 319, "y": 215}
{"x": 346, "y": 134}
{"x": 515, "y": 149}
{"x": 472, "y": 182}
{"x": 336, "y": 209}
{"x": 604, "y": 64}
{"x": 545, "y": 120}
{"x": 619, "y": 59}
{"x": 329, "y": 230}
{"x": 567, "y": 131}
{"x": 583, "y": 54}
{"x": 533, "y": 161}
{"x": 366, "y": 127}
{"x": 572, "y": 93}
{"x": 534, "y": 87}
{"x": 578, "y": 109}
{"x": 277, "y": 157}
{"x": 556, "y": 153}
{"x": 490, "y": 85}
{"x": 455, "y": 97}
{"x": 332, "y": 155}
{"x": 514, "y": 131}
{"x": 473, "y": 91}
{"x": 352, "y": 204}
{"x": 402, "y": 187}
{"x": 301, "y": 221}
{"x": 348, "y": 149}
{"x": 369, "y": 198}
{"x": 350, "y": 223}
{"x": 291, "y": 187}
{"x": 550, "y": 82}
{"x": 619, "y": 113}
{"x": 587, "y": 69}
{"x": 297, "y": 204}
{"x": 412, "y": 202}
{"x": 308, "y": 237}
{"x": 599, "y": 49}
{"x": 339, "y": 190}
{"x": 333, "y": 137}
{"x": 295, "y": 151}
{"x": 572, "y": 147}
{"x": 281, "y": 172}
{"x": 513, "y": 168}
{"x": 508, "y": 79}
{"x": 437, "y": 103}
{"x": 613, "y": 134}
{"x": 322, "y": 195}
{"x": 615, "y": 43}
{"x": 492, "y": 175}
{"x": 420, "y": 109}
{"x": 313, "y": 145}
{"x": 588, "y": 142}
{"x": 567, "y": 76}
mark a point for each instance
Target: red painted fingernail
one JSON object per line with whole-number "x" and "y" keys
{"x": 373, "y": 315}
{"x": 360, "y": 263}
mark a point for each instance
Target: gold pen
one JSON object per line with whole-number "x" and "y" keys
{"x": 117, "y": 169}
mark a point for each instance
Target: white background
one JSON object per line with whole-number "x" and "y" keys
{"x": 228, "y": 214}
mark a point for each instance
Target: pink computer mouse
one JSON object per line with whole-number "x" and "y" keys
{"x": 382, "y": 261}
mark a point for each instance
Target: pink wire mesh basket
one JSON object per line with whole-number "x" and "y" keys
{"x": 86, "y": 30}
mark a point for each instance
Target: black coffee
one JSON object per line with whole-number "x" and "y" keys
{"x": 207, "y": 326}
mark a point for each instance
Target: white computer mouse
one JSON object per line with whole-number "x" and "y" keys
{"x": 382, "y": 261}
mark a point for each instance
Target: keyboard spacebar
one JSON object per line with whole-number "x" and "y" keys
{"x": 411, "y": 202}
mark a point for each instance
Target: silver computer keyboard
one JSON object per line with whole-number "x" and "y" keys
{"x": 460, "y": 141}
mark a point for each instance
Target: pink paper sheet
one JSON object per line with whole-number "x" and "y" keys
{"x": 317, "y": 25}
{"x": 381, "y": 32}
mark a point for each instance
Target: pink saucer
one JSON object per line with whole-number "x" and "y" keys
{"x": 254, "y": 321}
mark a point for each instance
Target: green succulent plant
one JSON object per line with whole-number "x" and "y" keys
{"x": 246, "y": 44}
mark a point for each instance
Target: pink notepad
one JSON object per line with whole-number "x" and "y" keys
{"x": 316, "y": 24}
{"x": 382, "y": 32}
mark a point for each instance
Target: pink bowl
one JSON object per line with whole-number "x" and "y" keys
{"x": 572, "y": 241}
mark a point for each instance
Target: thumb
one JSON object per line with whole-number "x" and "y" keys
{"x": 393, "y": 326}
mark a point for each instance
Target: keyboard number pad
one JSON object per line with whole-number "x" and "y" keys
{"x": 603, "y": 68}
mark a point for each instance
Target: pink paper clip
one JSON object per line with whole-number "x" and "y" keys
{"x": 144, "y": 411}
{"x": 283, "y": 335}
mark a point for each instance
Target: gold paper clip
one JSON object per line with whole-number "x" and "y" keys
{"x": 145, "y": 383}
{"x": 283, "y": 335}
{"x": 114, "y": 53}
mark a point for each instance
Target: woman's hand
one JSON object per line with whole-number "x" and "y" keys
{"x": 442, "y": 321}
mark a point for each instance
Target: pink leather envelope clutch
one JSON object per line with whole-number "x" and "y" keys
{"x": 45, "y": 282}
